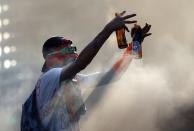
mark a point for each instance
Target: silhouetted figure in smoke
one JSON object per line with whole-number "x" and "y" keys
{"x": 58, "y": 99}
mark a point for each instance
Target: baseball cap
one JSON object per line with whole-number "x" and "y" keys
{"x": 56, "y": 41}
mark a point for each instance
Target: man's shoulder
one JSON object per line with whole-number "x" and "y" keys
{"x": 50, "y": 76}
{"x": 52, "y": 71}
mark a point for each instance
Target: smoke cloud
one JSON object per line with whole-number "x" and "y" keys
{"x": 154, "y": 94}
{"x": 148, "y": 97}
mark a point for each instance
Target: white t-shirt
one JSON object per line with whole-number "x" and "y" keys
{"x": 51, "y": 101}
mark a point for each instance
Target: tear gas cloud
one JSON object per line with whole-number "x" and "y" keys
{"x": 148, "y": 94}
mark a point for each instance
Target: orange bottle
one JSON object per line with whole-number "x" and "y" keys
{"x": 121, "y": 39}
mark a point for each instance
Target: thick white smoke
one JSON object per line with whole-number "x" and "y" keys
{"x": 147, "y": 95}
{"x": 158, "y": 94}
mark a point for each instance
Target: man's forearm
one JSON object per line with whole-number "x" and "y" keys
{"x": 118, "y": 68}
{"x": 119, "y": 64}
{"x": 90, "y": 51}
{"x": 87, "y": 54}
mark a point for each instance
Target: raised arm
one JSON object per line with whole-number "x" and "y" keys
{"x": 105, "y": 77}
{"x": 90, "y": 51}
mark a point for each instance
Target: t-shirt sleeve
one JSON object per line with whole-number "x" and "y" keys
{"x": 89, "y": 77}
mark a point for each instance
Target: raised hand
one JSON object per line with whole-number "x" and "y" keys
{"x": 141, "y": 32}
{"x": 145, "y": 30}
{"x": 120, "y": 21}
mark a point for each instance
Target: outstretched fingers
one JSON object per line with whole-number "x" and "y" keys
{"x": 122, "y": 13}
{"x": 124, "y": 19}
{"x": 148, "y": 34}
{"x": 128, "y": 16}
{"x": 130, "y": 22}
{"x": 146, "y": 28}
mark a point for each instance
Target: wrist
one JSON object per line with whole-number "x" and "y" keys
{"x": 108, "y": 29}
{"x": 137, "y": 39}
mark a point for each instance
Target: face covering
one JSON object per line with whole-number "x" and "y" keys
{"x": 65, "y": 55}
